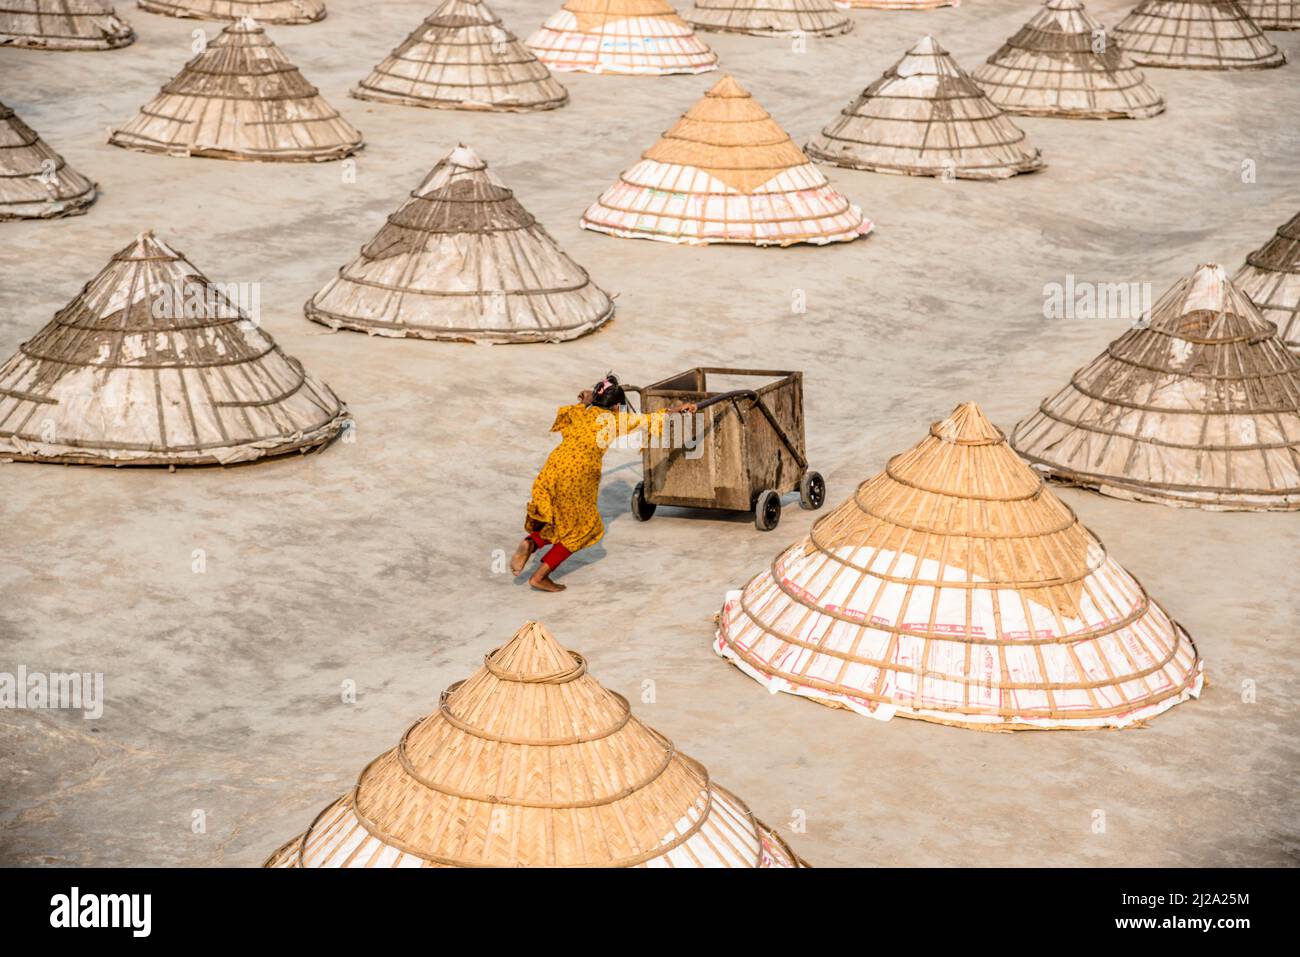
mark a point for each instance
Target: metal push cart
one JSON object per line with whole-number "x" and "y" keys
{"x": 748, "y": 451}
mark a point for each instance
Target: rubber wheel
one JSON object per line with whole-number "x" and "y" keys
{"x": 812, "y": 491}
{"x": 641, "y": 509}
{"x": 767, "y": 510}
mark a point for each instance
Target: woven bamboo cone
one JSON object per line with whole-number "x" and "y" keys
{"x": 62, "y": 25}
{"x": 1270, "y": 278}
{"x": 1061, "y": 63}
{"x": 531, "y": 763}
{"x": 35, "y": 181}
{"x": 901, "y": 4}
{"x": 956, "y": 588}
{"x": 1199, "y": 409}
{"x": 726, "y": 173}
{"x": 280, "y": 12}
{"x": 925, "y": 116}
{"x": 462, "y": 259}
{"x": 463, "y": 58}
{"x": 1196, "y": 35}
{"x": 240, "y": 99}
{"x": 1274, "y": 14}
{"x": 771, "y": 18}
{"x": 643, "y": 37}
{"x": 150, "y": 364}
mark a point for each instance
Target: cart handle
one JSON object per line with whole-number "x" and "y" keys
{"x": 743, "y": 394}
{"x": 704, "y": 403}
{"x": 724, "y": 396}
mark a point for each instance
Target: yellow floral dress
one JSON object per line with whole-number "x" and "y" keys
{"x": 563, "y": 506}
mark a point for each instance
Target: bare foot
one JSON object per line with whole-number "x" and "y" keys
{"x": 521, "y": 555}
{"x": 541, "y": 580}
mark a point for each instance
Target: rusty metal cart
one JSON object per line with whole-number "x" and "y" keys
{"x": 747, "y": 452}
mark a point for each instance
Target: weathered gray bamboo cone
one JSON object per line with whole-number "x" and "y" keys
{"x": 771, "y": 18}
{"x": 900, "y": 4}
{"x": 925, "y": 116}
{"x": 282, "y": 12}
{"x": 240, "y": 99}
{"x": 35, "y": 181}
{"x": 1274, "y": 14}
{"x": 1198, "y": 408}
{"x": 152, "y": 364}
{"x": 1196, "y": 35}
{"x": 62, "y": 25}
{"x": 1270, "y": 277}
{"x": 462, "y": 259}
{"x": 1062, "y": 63}
{"x": 463, "y": 58}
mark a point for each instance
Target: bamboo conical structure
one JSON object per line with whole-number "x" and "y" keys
{"x": 63, "y": 25}
{"x": 644, "y": 37}
{"x": 1196, "y": 35}
{"x": 1274, "y": 14}
{"x": 1200, "y": 408}
{"x": 152, "y": 364}
{"x": 240, "y": 99}
{"x": 1061, "y": 63}
{"x": 925, "y": 116}
{"x": 771, "y": 18}
{"x": 726, "y": 172}
{"x": 463, "y": 58}
{"x": 35, "y": 181}
{"x": 462, "y": 259}
{"x": 955, "y": 587}
{"x": 530, "y": 762}
{"x": 902, "y": 4}
{"x": 279, "y": 12}
{"x": 1270, "y": 278}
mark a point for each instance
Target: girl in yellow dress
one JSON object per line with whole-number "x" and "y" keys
{"x": 562, "y": 513}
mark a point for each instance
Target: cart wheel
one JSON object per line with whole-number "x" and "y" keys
{"x": 767, "y": 510}
{"x": 641, "y": 509}
{"x": 812, "y": 491}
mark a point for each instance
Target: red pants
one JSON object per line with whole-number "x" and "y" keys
{"x": 557, "y": 553}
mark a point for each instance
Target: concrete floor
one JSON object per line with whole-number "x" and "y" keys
{"x": 373, "y": 562}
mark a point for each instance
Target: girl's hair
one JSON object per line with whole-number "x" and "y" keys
{"x": 607, "y": 393}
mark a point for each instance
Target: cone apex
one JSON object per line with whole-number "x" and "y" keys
{"x": 533, "y": 653}
{"x": 728, "y": 86}
{"x": 465, "y": 157}
{"x": 967, "y": 424}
